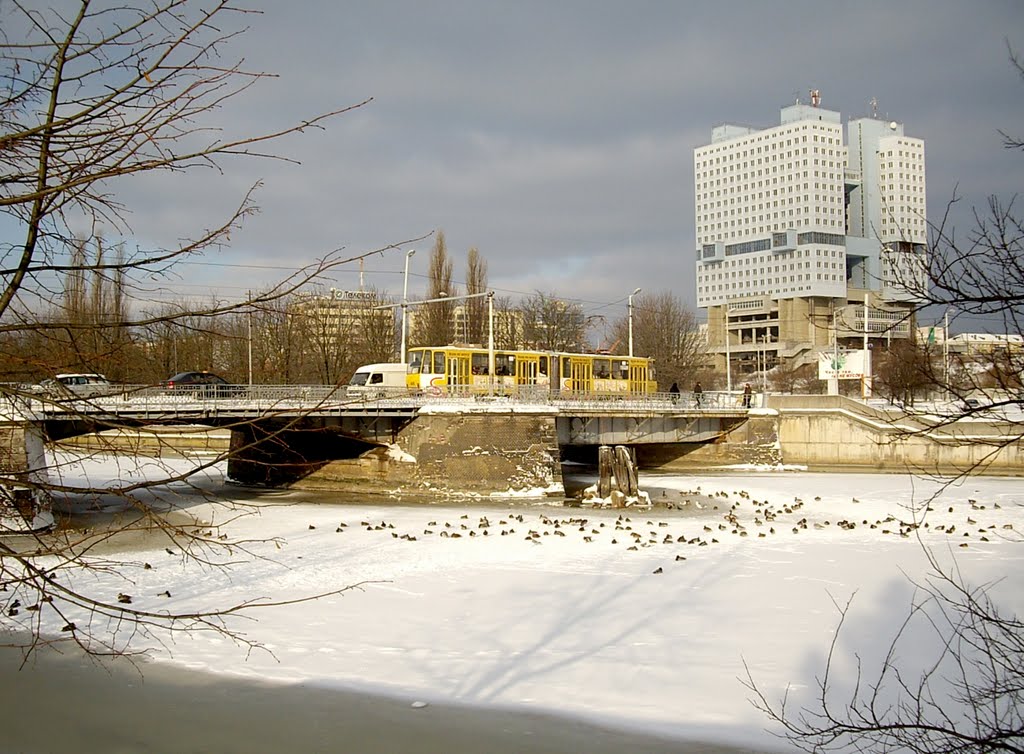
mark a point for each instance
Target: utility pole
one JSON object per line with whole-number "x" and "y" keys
{"x": 405, "y": 300}
{"x": 631, "y": 321}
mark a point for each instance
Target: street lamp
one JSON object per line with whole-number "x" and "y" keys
{"x": 867, "y": 378}
{"x": 405, "y": 299}
{"x": 727, "y": 312}
{"x": 833, "y": 382}
{"x": 631, "y": 321}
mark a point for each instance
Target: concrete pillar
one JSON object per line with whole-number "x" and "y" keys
{"x": 24, "y": 499}
{"x": 484, "y": 452}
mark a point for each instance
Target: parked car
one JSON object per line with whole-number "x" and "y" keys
{"x": 202, "y": 385}
{"x": 82, "y": 385}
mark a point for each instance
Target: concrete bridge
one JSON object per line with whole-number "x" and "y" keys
{"x": 582, "y": 419}
{"x": 320, "y": 436}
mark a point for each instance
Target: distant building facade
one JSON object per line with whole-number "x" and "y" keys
{"x": 986, "y": 346}
{"x": 340, "y": 317}
{"x": 797, "y": 227}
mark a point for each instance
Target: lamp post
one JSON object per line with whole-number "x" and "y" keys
{"x": 728, "y": 356}
{"x": 631, "y": 321}
{"x": 405, "y": 299}
{"x": 833, "y": 382}
{"x": 866, "y": 389}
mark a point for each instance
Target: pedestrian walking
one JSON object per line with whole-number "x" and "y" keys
{"x": 747, "y": 395}
{"x": 674, "y": 392}
{"x": 698, "y": 394}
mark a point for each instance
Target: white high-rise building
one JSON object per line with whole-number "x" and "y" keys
{"x": 890, "y": 205}
{"x": 793, "y": 226}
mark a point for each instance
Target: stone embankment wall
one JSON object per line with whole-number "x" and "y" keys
{"x": 836, "y": 433}
{"x": 751, "y": 442}
{"x": 154, "y": 440}
{"x": 444, "y": 454}
{"x": 833, "y": 433}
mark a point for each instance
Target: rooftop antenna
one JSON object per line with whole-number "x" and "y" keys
{"x": 874, "y": 108}
{"x": 815, "y": 97}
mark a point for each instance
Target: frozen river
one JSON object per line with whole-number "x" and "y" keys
{"x": 639, "y": 619}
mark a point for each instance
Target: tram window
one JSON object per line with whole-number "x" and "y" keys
{"x": 620, "y": 370}
{"x": 415, "y": 359}
{"x": 503, "y": 364}
{"x": 479, "y": 363}
{"x": 439, "y": 362}
{"x": 542, "y": 365}
{"x": 601, "y": 368}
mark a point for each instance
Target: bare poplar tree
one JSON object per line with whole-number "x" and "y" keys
{"x": 476, "y": 308}
{"x": 435, "y": 319}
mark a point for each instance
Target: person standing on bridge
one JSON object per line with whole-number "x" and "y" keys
{"x": 747, "y": 395}
{"x": 674, "y": 392}
{"x": 698, "y": 394}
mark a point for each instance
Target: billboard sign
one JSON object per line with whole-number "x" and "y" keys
{"x": 844, "y": 365}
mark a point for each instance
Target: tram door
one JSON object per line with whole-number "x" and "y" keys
{"x": 526, "y": 370}
{"x": 637, "y": 377}
{"x": 581, "y": 374}
{"x": 458, "y": 371}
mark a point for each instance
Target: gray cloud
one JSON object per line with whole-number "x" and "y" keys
{"x": 558, "y": 136}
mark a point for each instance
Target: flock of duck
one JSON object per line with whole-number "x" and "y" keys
{"x": 741, "y": 516}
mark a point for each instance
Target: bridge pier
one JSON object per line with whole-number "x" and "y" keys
{"x": 616, "y": 470}
{"x": 492, "y": 450}
{"x": 268, "y": 454}
{"x": 24, "y": 500}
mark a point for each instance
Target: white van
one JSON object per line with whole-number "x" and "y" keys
{"x": 378, "y": 381}
{"x": 81, "y": 385}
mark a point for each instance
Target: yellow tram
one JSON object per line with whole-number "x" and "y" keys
{"x": 457, "y": 369}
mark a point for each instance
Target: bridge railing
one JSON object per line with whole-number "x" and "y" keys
{"x": 259, "y": 398}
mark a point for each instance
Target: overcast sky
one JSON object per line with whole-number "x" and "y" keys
{"x": 558, "y": 136}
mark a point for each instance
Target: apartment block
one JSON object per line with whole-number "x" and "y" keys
{"x": 802, "y": 230}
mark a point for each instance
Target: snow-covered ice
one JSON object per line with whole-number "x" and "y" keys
{"x": 637, "y": 618}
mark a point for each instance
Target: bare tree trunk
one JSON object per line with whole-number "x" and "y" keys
{"x": 436, "y": 318}
{"x": 476, "y": 308}
{"x": 97, "y": 94}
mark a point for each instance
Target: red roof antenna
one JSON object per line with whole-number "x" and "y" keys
{"x": 815, "y": 97}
